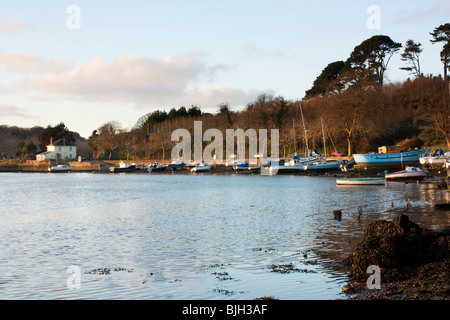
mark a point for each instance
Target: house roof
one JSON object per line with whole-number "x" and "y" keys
{"x": 60, "y": 142}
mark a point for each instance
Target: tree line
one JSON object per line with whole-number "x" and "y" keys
{"x": 349, "y": 105}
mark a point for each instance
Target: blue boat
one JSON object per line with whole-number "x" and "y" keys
{"x": 328, "y": 164}
{"x": 388, "y": 159}
{"x": 176, "y": 164}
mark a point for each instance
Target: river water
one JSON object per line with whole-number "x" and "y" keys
{"x": 147, "y": 236}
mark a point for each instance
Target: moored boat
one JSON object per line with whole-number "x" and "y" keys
{"x": 437, "y": 158}
{"x": 156, "y": 167}
{"x": 387, "y": 158}
{"x": 201, "y": 167}
{"x": 233, "y": 161}
{"x": 123, "y": 168}
{"x": 293, "y": 165}
{"x": 328, "y": 164}
{"x": 176, "y": 164}
{"x": 361, "y": 181}
{"x": 247, "y": 167}
{"x": 410, "y": 172}
{"x": 60, "y": 168}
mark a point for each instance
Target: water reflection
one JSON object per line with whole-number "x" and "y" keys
{"x": 189, "y": 237}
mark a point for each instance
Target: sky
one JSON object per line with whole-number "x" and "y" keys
{"x": 86, "y": 63}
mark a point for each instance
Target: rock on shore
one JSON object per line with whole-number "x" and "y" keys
{"x": 414, "y": 261}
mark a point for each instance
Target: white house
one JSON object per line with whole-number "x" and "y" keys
{"x": 58, "y": 150}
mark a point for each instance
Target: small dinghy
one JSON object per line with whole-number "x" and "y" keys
{"x": 361, "y": 181}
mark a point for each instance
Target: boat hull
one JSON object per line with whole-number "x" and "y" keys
{"x": 367, "y": 160}
{"x": 57, "y": 169}
{"x": 201, "y": 168}
{"x": 130, "y": 168}
{"x": 323, "y": 167}
{"x": 401, "y": 175}
{"x": 361, "y": 181}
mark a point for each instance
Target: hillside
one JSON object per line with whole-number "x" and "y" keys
{"x": 11, "y": 136}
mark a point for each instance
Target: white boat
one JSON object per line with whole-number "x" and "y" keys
{"x": 361, "y": 181}
{"x": 247, "y": 167}
{"x": 60, "y": 168}
{"x": 201, "y": 167}
{"x": 326, "y": 164}
{"x": 233, "y": 161}
{"x": 156, "y": 167}
{"x": 409, "y": 172}
{"x": 294, "y": 165}
{"x": 437, "y": 158}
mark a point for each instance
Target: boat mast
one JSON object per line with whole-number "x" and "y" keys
{"x": 304, "y": 128}
{"x": 295, "y": 139}
{"x": 323, "y": 135}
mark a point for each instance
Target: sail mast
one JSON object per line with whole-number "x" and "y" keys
{"x": 323, "y": 134}
{"x": 304, "y": 128}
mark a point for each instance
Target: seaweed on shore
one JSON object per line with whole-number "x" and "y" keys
{"x": 413, "y": 261}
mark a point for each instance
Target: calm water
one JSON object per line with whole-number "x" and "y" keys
{"x": 139, "y": 236}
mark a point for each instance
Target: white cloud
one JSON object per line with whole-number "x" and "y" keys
{"x": 26, "y": 63}
{"x": 128, "y": 79}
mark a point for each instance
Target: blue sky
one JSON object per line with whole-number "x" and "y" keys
{"x": 129, "y": 58}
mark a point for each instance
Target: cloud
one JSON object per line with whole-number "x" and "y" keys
{"x": 11, "y": 26}
{"x": 8, "y": 110}
{"x": 27, "y": 63}
{"x": 128, "y": 79}
{"x": 441, "y": 7}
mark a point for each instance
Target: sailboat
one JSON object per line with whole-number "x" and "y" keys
{"x": 324, "y": 164}
{"x": 296, "y": 163}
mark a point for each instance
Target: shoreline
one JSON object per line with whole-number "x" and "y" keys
{"x": 97, "y": 166}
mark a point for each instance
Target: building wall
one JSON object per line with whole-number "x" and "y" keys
{"x": 58, "y": 152}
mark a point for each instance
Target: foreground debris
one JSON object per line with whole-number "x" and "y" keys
{"x": 414, "y": 262}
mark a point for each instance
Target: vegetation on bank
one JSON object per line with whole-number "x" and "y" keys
{"x": 349, "y": 104}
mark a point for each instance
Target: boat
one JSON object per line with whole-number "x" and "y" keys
{"x": 289, "y": 165}
{"x": 246, "y": 167}
{"x": 193, "y": 164}
{"x": 347, "y": 166}
{"x": 361, "y": 181}
{"x": 327, "y": 164}
{"x": 123, "y": 168}
{"x": 386, "y": 158}
{"x": 60, "y": 168}
{"x": 410, "y": 172}
{"x": 156, "y": 167}
{"x": 324, "y": 164}
{"x": 255, "y": 167}
{"x": 437, "y": 158}
{"x": 176, "y": 164}
{"x": 233, "y": 161}
{"x": 201, "y": 167}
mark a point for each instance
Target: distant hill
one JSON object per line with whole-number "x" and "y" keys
{"x": 10, "y": 136}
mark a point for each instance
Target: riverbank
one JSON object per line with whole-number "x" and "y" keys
{"x": 16, "y": 165}
{"x": 413, "y": 262}
{"x": 97, "y": 166}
